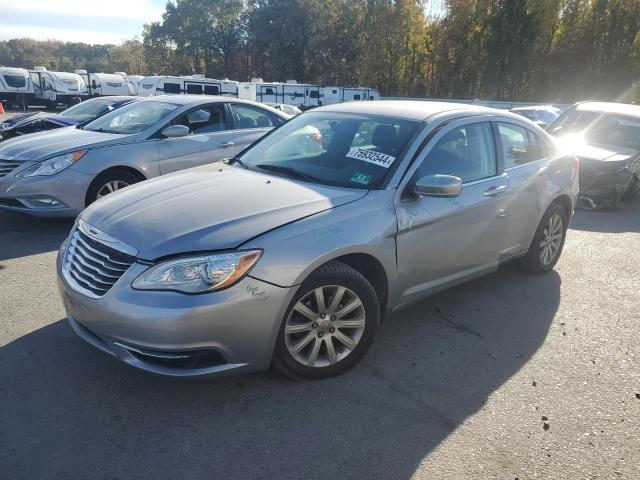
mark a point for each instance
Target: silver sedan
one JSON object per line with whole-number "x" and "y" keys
{"x": 293, "y": 255}
{"x": 60, "y": 172}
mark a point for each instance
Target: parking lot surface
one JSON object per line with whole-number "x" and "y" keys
{"x": 509, "y": 376}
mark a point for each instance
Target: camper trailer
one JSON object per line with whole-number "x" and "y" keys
{"x": 190, "y": 85}
{"x": 133, "y": 80}
{"x": 52, "y": 88}
{"x": 331, "y": 95}
{"x": 15, "y": 86}
{"x": 104, "y": 84}
{"x": 303, "y": 96}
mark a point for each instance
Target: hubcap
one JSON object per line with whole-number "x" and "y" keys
{"x": 551, "y": 239}
{"x": 324, "y": 326}
{"x": 111, "y": 187}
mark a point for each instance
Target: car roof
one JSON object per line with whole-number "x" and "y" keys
{"x": 412, "y": 109}
{"x": 195, "y": 100}
{"x": 549, "y": 108}
{"x": 609, "y": 107}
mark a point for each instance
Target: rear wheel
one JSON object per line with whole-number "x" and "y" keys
{"x": 548, "y": 241}
{"x": 109, "y": 182}
{"x": 330, "y": 324}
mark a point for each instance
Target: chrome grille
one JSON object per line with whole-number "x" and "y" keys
{"x": 7, "y": 166}
{"x": 90, "y": 266}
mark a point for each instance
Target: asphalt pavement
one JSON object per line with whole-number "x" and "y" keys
{"x": 509, "y": 376}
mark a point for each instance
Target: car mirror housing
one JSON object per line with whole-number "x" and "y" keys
{"x": 443, "y": 186}
{"x": 175, "y": 131}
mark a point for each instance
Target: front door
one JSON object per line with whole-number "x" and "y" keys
{"x": 210, "y": 140}
{"x": 443, "y": 241}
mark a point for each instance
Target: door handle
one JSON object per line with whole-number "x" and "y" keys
{"x": 226, "y": 144}
{"x": 495, "y": 191}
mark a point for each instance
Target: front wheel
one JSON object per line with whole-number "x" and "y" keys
{"x": 330, "y": 324}
{"x": 109, "y": 182}
{"x": 548, "y": 241}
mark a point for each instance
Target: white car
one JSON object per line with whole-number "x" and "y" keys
{"x": 285, "y": 108}
{"x": 543, "y": 115}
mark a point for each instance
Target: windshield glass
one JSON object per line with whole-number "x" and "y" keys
{"x": 343, "y": 149}
{"x": 602, "y": 128}
{"x": 88, "y": 110}
{"x": 132, "y": 118}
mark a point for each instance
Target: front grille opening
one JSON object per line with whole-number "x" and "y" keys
{"x": 10, "y": 202}
{"x": 7, "y": 166}
{"x": 188, "y": 360}
{"x": 94, "y": 267}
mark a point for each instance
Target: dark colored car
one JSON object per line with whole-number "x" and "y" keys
{"x": 31, "y": 122}
{"x": 606, "y": 139}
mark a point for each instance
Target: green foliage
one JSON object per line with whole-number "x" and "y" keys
{"x": 547, "y": 50}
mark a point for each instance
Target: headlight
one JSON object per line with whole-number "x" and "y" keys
{"x": 53, "y": 165}
{"x": 198, "y": 274}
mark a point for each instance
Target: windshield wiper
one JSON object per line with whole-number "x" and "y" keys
{"x": 102, "y": 130}
{"x": 236, "y": 160}
{"x": 292, "y": 172}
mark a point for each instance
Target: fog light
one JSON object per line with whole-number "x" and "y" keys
{"x": 45, "y": 202}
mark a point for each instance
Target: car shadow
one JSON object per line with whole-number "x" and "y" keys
{"x": 69, "y": 411}
{"x": 22, "y": 235}
{"x": 625, "y": 218}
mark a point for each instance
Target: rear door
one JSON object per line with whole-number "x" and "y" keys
{"x": 210, "y": 139}
{"x": 250, "y": 122}
{"x": 443, "y": 241}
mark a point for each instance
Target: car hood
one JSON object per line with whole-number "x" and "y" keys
{"x": 29, "y": 118}
{"x": 215, "y": 207}
{"x": 17, "y": 118}
{"x": 603, "y": 153}
{"x": 42, "y": 145}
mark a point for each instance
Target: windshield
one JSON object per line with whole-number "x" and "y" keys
{"x": 132, "y": 118}
{"x": 602, "y": 128}
{"x": 88, "y": 110}
{"x": 342, "y": 149}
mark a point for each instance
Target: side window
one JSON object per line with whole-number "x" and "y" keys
{"x": 356, "y": 96}
{"x": 247, "y": 116}
{"x": 194, "y": 89}
{"x": 171, "y": 87}
{"x": 467, "y": 152}
{"x": 211, "y": 90}
{"x": 269, "y": 91}
{"x": 517, "y": 145}
{"x": 208, "y": 119}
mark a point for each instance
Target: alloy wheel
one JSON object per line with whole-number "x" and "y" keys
{"x": 551, "y": 239}
{"x": 324, "y": 326}
{"x": 111, "y": 187}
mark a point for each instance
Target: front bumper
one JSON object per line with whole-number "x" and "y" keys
{"x": 176, "y": 334}
{"x": 68, "y": 187}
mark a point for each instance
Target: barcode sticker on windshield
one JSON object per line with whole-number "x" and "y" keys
{"x": 377, "y": 158}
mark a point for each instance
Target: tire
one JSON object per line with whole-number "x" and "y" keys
{"x": 534, "y": 261}
{"x": 633, "y": 189}
{"x": 326, "y": 330}
{"x": 121, "y": 178}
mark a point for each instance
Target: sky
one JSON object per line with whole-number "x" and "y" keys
{"x": 87, "y": 21}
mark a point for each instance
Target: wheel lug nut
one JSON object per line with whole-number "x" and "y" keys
{"x": 322, "y": 315}
{"x": 320, "y": 334}
{"x": 333, "y": 318}
{"x": 314, "y": 325}
{"x": 331, "y": 330}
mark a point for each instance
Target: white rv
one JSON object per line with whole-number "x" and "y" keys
{"x": 331, "y": 95}
{"x": 53, "y": 88}
{"x": 15, "y": 86}
{"x": 301, "y": 95}
{"x": 104, "y": 84}
{"x": 133, "y": 80}
{"x": 190, "y": 85}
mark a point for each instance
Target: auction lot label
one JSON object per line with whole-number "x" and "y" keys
{"x": 377, "y": 158}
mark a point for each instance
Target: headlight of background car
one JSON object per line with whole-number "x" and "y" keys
{"x": 53, "y": 165}
{"x": 198, "y": 274}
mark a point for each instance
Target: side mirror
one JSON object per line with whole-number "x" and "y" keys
{"x": 443, "y": 186}
{"x": 175, "y": 131}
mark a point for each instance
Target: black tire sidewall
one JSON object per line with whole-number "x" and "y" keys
{"x": 103, "y": 178}
{"x": 335, "y": 273}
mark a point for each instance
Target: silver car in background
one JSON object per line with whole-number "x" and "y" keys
{"x": 293, "y": 256}
{"x": 59, "y": 173}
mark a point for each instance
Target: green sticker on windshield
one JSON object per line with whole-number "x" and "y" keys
{"x": 361, "y": 178}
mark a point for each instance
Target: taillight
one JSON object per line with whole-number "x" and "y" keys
{"x": 576, "y": 163}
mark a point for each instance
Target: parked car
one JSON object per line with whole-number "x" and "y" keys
{"x": 59, "y": 173}
{"x": 296, "y": 260}
{"x": 31, "y": 122}
{"x": 542, "y": 115}
{"x": 290, "y": 110}
{"x": 606, "y": 138}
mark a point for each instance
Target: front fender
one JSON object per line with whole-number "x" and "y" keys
{"x": 142, "y": 156}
